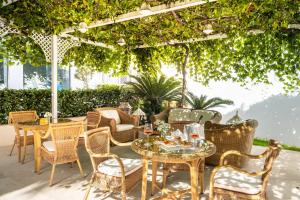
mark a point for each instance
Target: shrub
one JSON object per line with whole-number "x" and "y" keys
{"x": 71, "y": 103}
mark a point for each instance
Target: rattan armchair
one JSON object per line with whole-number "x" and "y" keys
{"x": 122, "y": 125}
{"x": 63, "y": 146}
{"x": 230, "y": 182}
{"x": 230, "y": 137}
{"x": 113, "y": 173}
{"x": 22, "y": 139}
{"x": 93, "y": 120}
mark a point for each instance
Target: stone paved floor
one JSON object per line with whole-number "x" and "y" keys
{"x": 19, "y": 182}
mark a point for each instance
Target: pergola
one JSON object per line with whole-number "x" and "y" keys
{"x": 55, "y": 46}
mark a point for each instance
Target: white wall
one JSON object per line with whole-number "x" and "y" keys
{"x": 15, "y": 76}
{"x": 278, "y": 115}
{"x": 97, "y": 78}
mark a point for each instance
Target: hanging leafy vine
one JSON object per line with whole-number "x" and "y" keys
{"x": 241, "y": 57}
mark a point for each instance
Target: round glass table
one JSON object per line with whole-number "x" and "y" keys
{"x": 158, "y": 152}
{"x": 37, "y": 127}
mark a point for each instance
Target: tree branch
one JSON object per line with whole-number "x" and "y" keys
{"x": 178, "y": 18}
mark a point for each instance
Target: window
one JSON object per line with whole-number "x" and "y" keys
{"x": 3, "y": 74}
{"x": 40, "y": 77}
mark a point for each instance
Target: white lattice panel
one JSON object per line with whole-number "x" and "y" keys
{"x": 45, "y": 42}
{"x": 64, "y": 45}
{"x": 4, "y": 29}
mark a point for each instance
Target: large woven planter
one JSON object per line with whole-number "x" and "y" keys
{"x": 230, "y": 137}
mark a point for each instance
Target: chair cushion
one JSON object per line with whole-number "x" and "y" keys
{"x": 49, "y": 145}
{"x": 196, "y": 114}
{"x": 179, "y": 114}
{"x": 236, "y": 181}
{"x": 29, "y": 133}
{"x": 111, "y": 114}
{"x": 124, "y": 127}
{"x": 112, "y": 168}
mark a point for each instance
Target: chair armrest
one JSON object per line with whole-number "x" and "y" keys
{"x": 128, "y": 119}
{"x": 237, "y": 153}
{"x": 44, "y": 136}
{"x": 163, "y": 116}
{"x": 120, "y": 143}
{"x": 111, "y": 123}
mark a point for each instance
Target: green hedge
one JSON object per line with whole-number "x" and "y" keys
{"x": 71, "y": 103}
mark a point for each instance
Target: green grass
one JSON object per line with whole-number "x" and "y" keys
{"x": 264, "y": 143}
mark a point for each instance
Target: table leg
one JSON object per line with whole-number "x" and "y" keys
{"x": 37, "y": 153}
{"x": 194, "y": 179}
{"x": 144, "y": 180}
{"x": 201, "y": 174}
{"x": 154, "y": 174}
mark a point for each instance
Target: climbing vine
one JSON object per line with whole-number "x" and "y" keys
{"x": 242, "y": 57}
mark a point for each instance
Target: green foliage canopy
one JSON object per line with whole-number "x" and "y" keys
{"x": 241, "y": 57}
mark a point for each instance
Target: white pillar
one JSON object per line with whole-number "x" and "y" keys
{"x": 54, "y": 62}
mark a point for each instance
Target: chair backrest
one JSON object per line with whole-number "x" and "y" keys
{"x": 186, "y": 114}
{"x": 179, "y": 114}
{"x": 65, "y": 138}
{"x": 93, "y": 118}
{"x": 97, "y": 141}
{"x": 22, "y": 116}
{"x": 274, "y": 149}
{"x": 111, "y": 113}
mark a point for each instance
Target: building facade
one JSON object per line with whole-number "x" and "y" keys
{"x": 26, "y": 76}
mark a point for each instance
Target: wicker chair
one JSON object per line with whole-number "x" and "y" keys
{"x": 63, "y": 146}
{"x": 230, "y": 137}
{"x": 179, "y": 117}
{"x": 93, "y": 120}
{"x": 21, "y": 139}
{"x": 122, "y": 125}
{"x": 112, "y": 172}
{"x": 229, "y": 182}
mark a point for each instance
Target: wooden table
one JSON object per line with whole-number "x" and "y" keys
{"x": 193, "y": 157}
{"x": 39, "y": 128}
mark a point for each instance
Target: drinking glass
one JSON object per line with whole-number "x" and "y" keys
{"x": 195, "y": 136}
{"x": 148, "y": 130}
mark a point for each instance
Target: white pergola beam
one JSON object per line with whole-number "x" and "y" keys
{"x": 83, "y": 40}
{"x": 209, "y": 37}
{"x": 144, "y": 13}
{"x": 173, "y": 42}
{"x": 294, "y": 26}
{"x": 7, "y": 2}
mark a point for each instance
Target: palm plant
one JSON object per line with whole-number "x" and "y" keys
{"x": 203, "y": 103}
{"x": 154, "y": 89}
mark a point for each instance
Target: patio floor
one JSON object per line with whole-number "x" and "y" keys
{"x": 18, "y": 181}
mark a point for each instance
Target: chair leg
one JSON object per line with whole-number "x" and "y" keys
{"x": 12, "y": 148}
{"x": 123, "y": 190}
{"x": 24, "y": 153}
{"x": 89, "y": 188}
{"x": 52, "y": 175}
{"x": 19, "y": 153}
{"x": 80, "y": 168}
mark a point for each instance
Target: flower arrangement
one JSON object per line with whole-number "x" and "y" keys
{"x": 162, "y": 127}
{"x": 48, "y": 115}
